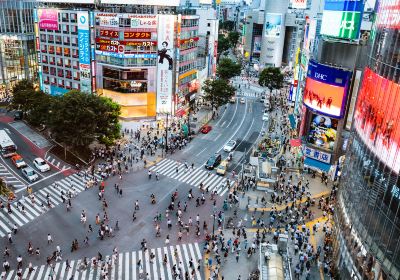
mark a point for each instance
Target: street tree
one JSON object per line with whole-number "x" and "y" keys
{"x": 40, "y": 107}
{"x": 271, "y": 77}
{"x": 223, "y": 44}
{"x": 233, "y": 38}
{"x": 77, "y": 119}
{"x": 23, "y": 96}
{"x": 227, "y": 69}
{"x": 217, "y": 92}
{"x": 226, "y": 25}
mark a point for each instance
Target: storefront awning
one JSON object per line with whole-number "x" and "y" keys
{"x": 315, "y": 164}
{"x": 292, "y": 121}
{"x": 295, "y": 142}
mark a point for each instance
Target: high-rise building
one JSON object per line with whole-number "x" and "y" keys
{"x": 142, "y": 56}
{"x": 368, "y": 208}
{"x": 17, "y": 42}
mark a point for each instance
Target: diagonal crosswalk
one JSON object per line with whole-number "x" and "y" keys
{"x": 10, "y": 178}
{"x": 126, "y": 266}
{"x": 167, "y": 167}
{"x": 31, "y": 211}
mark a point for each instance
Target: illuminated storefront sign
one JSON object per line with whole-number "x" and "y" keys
{"x": 48, "y": 19}
{"x": 109, "y": 33}
{"x": 342, "y": 18}
{"x": 126, "y": 43}
{"x": 377, "y": 117}
{"x": 388, "y": 15}
{"x": 84, "y": 50}
{"x": 326, "y": 89}
{"x": 140, "y": 2}
{"x": 135, "y": 20}
{"x": 165, "y": 64}
{"x": 316, "y": 154}
{"x": 137, "y": 35}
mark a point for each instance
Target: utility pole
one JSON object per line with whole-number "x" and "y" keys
{"x": 188, "y": 123}
{"x": 166, "y": 135}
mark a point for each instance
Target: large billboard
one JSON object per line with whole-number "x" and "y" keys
{"x": 342, "y": 18}
{"x": 388, "y": 15}
{"x": 140, "y": 2}
{"x": 165, "y": 63}
{"x": 326, "y": 89}
{"x": 322, "y": 131}
{"x": 135, "y": 20}
{"x": 84, "y": 50}
{"x": 273, "y": 25}
{"x": 48, "y": 19}
{"x": 299, "y": 4}
{"x": 377, "y": 117}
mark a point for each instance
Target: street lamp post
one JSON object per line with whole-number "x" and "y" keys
{"x": 166, "y": 135}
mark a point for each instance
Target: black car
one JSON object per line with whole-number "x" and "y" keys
{"x": 18, "y": 115}
{"x": 213, "y": 162}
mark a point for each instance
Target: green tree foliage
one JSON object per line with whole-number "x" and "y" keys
{"x": 39, "y": 113}
{"x": 227, "y": 69}
{"x": 77, "y": 119}
{"x": 223, "y": 44}
{"x": 226, "y": 25}
{"x": 217, "y": 92}
{"x": 233, "y": 38}
{"x": 271, "y": 78}
{"x": 24, "y": 95}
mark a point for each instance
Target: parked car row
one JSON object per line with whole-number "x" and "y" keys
{"x": 28, "y": 172}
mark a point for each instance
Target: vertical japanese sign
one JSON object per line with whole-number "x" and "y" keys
{"x": 165, "y": 63}
{"x": 84, "y": 50}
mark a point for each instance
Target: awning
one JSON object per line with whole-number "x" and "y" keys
{"x": 295, "y": 142}
{"x": 316, "y": 165}
{"x": 292, "y": 121}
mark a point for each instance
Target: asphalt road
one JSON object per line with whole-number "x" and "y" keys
{"x": 241, "y": 122}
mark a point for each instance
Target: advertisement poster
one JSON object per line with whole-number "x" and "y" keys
{"x": 257, "y": 44}
{"x": 48, "y": 19}
{"x": 84, "y": 50}
{"x": 299, "y": 4}
{"x": 342, "y": 18}
{"x": 165, "y": 63}
{"x": 388, "y": 15}
{"x": 140, "y": 2}
{"x": 326, "y": 89}
{"x": 322, "y": 132}
{"x": 377, "y": 117}
{"x": 273, "y": 25}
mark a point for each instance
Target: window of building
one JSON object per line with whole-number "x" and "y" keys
{"x": 52, "y": 71}
{"x": 67, "y": 52}
{"x": 74, "y": 41}
{"x": 68, "y": 74}
{"x": 74, "y": 30}
{"x": 42, "y": 37}
{"x": 75, "y": 64}
{"x": 67, "y": 41}
{"x": 76, "y": 75}
{"x": 60, "y": 73}
{"x": 59, "y": 50}
{"x": 75, "y": 53}
{"x": 43, "y": 48}
{"x": 45, "y": 69}
{"x": 65, "y": 28}
{"x": 58, "y": 39}
{"x": 65, "y": 17}
{"x": 67, "y": 62}
{"x": 52, "y": 60}
{"x": 59, "y": 61}
{"x": 209, "y": 24}
{"x": 53, "y": 79}
{"x": 44, "y": 58}
{"x": 50, "y": 38}
{"x": 73, "y": 17}
{"x": 51, "y": 49}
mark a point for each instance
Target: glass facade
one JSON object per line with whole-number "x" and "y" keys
{"x": 369, "y": 197}
{"x": 17, "y": 42}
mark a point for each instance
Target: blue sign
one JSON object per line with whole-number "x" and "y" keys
{"x": 57, "y": 90}
{"x": 84, "y": 46}
{"x": 317, "y": 154}
{"x": 327, "y": 74}
{"x": 291, "y": 97}
{"x": 127, "y": 55}
{"x": 344, "y": 5}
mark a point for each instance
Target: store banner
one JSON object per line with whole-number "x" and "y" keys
{"x": 48, "y": 19}
{"x": 165, "y": 63}
{"x": 299, "y": 4}
{"x": 316, "y": 154}
{"x": 84, "y": 51}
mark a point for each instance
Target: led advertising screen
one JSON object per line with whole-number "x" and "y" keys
{"x": 299, "y": 4}
{"x": 377, "y": 117}
{"x": 388, "y": 15}
{"x": 322, "y": 131}
{"x": 342, "y": 18}
{"x": 326, "y": 89}
{"x": 48, "y": 19}
{"x": 273, "y": 25}
{"x": 165, "y": 63}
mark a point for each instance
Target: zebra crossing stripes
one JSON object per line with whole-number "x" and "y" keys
{"x": 34, "y": 210}
{"x": 10, "y": 179}
{"x": 214, "y": 182}
{"x": 248, "y": 94}
{"x": 125, "y": 266}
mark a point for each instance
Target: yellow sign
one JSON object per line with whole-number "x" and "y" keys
{"x": 187, "y": 74}
{"x": 246, "y": 54}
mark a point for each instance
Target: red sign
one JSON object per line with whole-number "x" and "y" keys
{"x": 137, "y": 35}
{"x": 106, "y": 48}
{"x": 109, "y": 33}
{"x": 190, "y": 40}
{"x": 126, "y": 43}
{"x": 388, "y": 15}
{"x": 377, "y": 117}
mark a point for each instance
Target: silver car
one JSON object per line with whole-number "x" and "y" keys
{"x": 30, "y": 174}
{"x": 230, "y": 146}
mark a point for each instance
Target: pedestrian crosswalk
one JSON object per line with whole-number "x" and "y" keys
{"x": 248, "y": 93}
{"x": 168, "y": 167}
{"x": 19, "y": 217}
{"x": 10, "y": 179}
{"x": 129, "y": 265}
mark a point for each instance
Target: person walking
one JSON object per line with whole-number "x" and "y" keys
{"x": 49, "y": 239}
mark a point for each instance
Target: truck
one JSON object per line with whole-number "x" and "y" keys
{"x": 7, "y": 146}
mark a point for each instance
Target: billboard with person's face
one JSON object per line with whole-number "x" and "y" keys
{"x": 326, "y": 88}
{"x": 273, "y": 25}
{"x": 377, "y": 117}
{"x": 322, "y": 131}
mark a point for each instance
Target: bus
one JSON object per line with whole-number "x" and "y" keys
{"x": 7, "y": 146}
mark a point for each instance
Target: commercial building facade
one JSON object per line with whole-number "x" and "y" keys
{"x": 368, "y": 244}
{"x": 141, "y": 56}
{"x": 17, "y": 42}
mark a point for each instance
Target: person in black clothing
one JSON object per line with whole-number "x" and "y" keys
{"x": 163, "y": 54}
